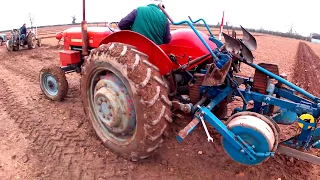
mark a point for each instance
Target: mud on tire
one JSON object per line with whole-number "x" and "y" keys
{"x": 54, "y": 75}
{"x": 148, "y": 92}
{"x": 31, "y": 41}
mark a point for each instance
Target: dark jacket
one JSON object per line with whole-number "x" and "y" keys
{"x": 23, "y": 30}
{"x": 148, "y": 21}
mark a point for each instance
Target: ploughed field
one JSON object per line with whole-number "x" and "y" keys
{"x": 41, "y": 139}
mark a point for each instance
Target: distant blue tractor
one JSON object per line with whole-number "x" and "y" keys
{"x": 3, "y": 39}
{"x": 18, "y": 40}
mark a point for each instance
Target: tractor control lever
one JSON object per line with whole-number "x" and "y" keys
{"x": 161, "y": 6}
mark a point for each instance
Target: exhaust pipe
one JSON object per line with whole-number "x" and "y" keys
{"x": 84, "y": 31}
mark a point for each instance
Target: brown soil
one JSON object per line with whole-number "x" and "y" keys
{"x": 42, "y": 139}
{"x": 306, "y": 75}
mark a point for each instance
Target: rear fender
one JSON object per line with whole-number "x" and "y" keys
{"x": 156, "y": 55}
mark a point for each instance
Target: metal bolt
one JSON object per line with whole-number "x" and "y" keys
{"x": 242, "y": 150}
{"x": 109, "y": 107}
{"x": 110, "y": 114}
{"x": 253, "y": 146}
{"x": 100, "y": 110}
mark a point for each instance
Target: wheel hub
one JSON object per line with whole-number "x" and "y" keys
{"x": 113, "y": 105}
{"x": 50, "y": 84}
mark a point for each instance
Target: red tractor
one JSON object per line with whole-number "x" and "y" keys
{"x": 126, "y": 80}
{"x": 130, "y": 87}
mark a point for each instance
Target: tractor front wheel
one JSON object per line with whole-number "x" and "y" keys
{"x": 126, "y": 100}
{"x": 9, "y": 45}
{"x": 53, "y": 83}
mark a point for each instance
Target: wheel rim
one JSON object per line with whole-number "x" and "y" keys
{"x": 112, "y": 107}
{"x": 255, "y": 132}
{"x": 50, "y": 84}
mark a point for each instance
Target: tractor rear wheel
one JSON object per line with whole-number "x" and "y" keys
{"x": 31, "y": 41}
{"x": 39, "y": 42}
{"x": 53, "y": 83}
{"x": 126, "y": 100}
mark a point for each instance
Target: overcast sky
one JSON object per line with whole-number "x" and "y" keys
{"x": 277, "y": 15}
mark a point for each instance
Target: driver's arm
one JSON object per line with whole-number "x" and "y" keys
{"x": 127, "y": 22}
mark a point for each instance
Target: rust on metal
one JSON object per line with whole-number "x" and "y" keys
{"x": 194, "y": 89}
{"x": 216, "y": 76}
{"x": 260, "y": 80}
{"x": 248, "y": 40}
{"x": 194, "y": 61}
{"x": 185, "y": 131}
{"x": 172, "y": 84}
{"x": 232, "y": 44}
{"x": 84, "y": 31}
{"x": 186, "y": 108}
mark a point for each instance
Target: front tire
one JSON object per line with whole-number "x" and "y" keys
{"x": 126, "y": 100}
{"x": 9, "y": 45}
{"x": 53, "y": 83}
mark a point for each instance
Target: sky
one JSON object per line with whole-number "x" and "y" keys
{"x": 276, "y": 15}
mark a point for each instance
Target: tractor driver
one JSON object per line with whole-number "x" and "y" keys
{"x": 23, "y": 31}
{"x": 149, "y": 21}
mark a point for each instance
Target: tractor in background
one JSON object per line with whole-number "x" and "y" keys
{"x": 3, "y": 39}
{"x": 16, "y": 41}
{"x": 130, "y": 87}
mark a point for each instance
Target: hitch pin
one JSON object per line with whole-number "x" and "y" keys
{"x": 205, "y": 129}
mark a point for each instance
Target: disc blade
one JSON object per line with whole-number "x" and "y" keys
{"x": 232, "y": 45}
{"x": 249, "y": 40}
{"x": 298, "y": 154}
{"x": 246, "y": 53}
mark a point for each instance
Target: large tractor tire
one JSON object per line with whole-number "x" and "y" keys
{"x": 9, "y": 45}
{"x": 53, "y": 83}
{"x": 31, "y": 41}
{"x": 126, "y": 100}
{"x": 39, "y": 42}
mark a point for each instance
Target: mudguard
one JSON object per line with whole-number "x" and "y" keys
{"x": 156, "y": 55}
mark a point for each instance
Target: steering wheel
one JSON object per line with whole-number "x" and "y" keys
{"x": 113, "y": 29}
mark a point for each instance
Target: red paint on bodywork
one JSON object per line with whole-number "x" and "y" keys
{"x": 156, "y": 55}
{"x": 73, "y": 37}
{"x": 68, "y": 57}
{"x": 185, "y": 41}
